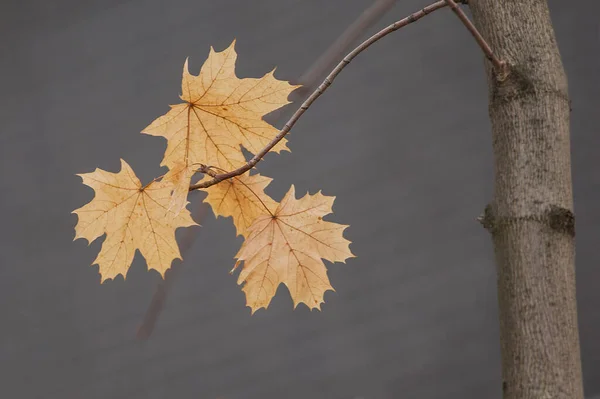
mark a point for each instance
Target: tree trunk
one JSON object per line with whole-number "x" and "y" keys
{"x": 531, "y": 216}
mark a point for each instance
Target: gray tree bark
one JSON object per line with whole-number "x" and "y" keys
{"x": 531, "y": 216}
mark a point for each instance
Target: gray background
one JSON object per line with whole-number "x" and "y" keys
{"x": 402, "y": 139}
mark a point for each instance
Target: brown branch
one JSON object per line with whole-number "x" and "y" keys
{"x": 500, "y": 66}
{"x": 319, "y": 91}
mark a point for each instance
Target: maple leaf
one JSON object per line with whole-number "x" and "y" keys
{"x": 133, "y": 217}
{"x": 287, "y": 247}
{"x": 243, "y": 198}
{"x": 220, "y": 113}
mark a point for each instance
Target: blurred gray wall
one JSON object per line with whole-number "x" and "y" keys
{"x": 402, "y": 139}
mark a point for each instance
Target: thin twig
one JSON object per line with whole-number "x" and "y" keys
{"x": 329, "y": 58}
{"x": 320, "y": 90}
{"x": 207, "y": 169}
{"x": 500, "y": 66}
{"x": 313, "y": 75}
{"x": 158, "y": 299}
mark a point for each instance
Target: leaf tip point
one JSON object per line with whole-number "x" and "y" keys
{"x": 254, "y": 310}
{"x": 163, "y": 273}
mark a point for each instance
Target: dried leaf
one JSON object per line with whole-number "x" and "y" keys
{"x": 220, "y": 114}
{"x": 133, "y": 217}
{"x": 288, "y": 247}
{"x": 243, "y": 198}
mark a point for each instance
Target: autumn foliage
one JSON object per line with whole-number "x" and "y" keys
{"x": 285, "y": 242}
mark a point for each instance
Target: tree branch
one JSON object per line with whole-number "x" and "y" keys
{"x": 500, "y": 66}
{"x": 319, "y": 91}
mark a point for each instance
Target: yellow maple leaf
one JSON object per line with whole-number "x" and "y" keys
{"x": 287, "y": 247}
{"x": 243, "y": 198}
{"x": 220, "y": 113}
{"x": 133, "y": 217}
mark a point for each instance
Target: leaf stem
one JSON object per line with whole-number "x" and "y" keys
{"x": 319, "y": 91}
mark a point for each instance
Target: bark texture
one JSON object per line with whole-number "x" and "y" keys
{"x": 531, "y": 216}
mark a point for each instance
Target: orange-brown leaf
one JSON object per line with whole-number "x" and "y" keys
{"x": 288, "y": 247}
{"x": 243, "y": 198}
{"x": 220, "y": 113}
{"x": 133, "y": 217}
